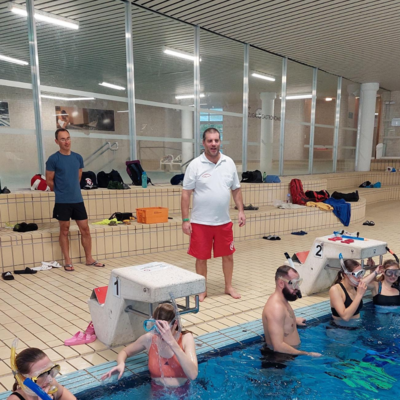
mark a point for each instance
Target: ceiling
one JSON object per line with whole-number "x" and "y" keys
{"x": 356, "y": 39}
{"x": 350, "y": 38}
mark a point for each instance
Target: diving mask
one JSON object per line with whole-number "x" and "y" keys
{"x": 150, "y": 325}
{"x": 294, "y": 283}
{"x": 39, "y": 376}
{"x": 356, "y": 274}
{"x": 390, "y": 273}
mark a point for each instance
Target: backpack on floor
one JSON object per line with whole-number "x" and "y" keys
{"x": 252, "y": 177}
{"x": 115, "y": 176}
{"x": 103, "y": 179}
{"x": 297, "y": 192}
{"x": 317, "y": 197}
{"x": 135, "y": 171}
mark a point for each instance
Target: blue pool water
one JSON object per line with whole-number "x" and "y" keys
{"x": 361, "y": 364}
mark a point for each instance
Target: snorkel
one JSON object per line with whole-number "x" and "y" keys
{"x": 26, "y": 384}
{"x": 352, "y": 277}
{"x": 291, "y": 264}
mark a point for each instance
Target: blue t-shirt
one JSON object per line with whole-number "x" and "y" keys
{"x": 67, "y": 187}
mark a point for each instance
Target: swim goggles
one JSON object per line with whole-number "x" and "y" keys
{"x": 52, "y": 371}
{"x": 294, "y": 283}
{"x": 150, "y": 325}
{"x": 357, "y": 274}
{"x": 392, "y": 272}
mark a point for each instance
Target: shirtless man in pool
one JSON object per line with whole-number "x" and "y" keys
{"x": 279, "y": 321}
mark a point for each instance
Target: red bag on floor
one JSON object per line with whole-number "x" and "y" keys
{"x": 297, "y": 192}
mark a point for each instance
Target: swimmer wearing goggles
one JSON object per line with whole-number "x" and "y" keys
{"x": 295, "y": 285}
{"x": 150, "y": 325}
{"x": 391, "y": 273}
{"x": 354, "y": 276}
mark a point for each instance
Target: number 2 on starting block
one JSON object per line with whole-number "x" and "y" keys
{"x": 318, "y": 250}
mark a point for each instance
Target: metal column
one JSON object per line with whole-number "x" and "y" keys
{"x": 130, "y": 81}
{"x": 312, "y": 127}
{"x": 283, "y": 113}
{"x": 196, "y": 82}
{"x": 358, "y": 131}
{"x": 245, "y": 106}
{"x": 337, "y": 121}
{"x": 37, "y": 104}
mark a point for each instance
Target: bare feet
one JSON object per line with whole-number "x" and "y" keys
{"x": 202, "y": 296}
{"x": 232, "y": 292}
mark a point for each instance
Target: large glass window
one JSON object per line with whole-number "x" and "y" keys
{"x": 347, "y": 141}
{"x": 163, "y": 51}
{"x": 221, "y": 88}
{"x": 325, "y": 112}
{"x": 19, "y": 161}
{"x": 298, "y": 118}
{"x": 265, "y": 82}
{"x": 75, "y": 66}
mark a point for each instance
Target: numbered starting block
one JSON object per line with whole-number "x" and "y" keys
{"x": 321, "y": 265}
{"x": 133, "y": 293}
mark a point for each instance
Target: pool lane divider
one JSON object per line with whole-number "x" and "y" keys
{"x": 89, "y": 378}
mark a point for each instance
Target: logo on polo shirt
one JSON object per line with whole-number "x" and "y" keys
{"x": 205, "y": 175}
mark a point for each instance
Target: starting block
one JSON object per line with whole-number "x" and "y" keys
{"x": 322, "y": 263}
{"x": 132, "y": 295}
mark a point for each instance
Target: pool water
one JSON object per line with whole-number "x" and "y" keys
{"x": 356, "y": 364}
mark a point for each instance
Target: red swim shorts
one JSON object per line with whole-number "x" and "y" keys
{"x": 207, "y": 237}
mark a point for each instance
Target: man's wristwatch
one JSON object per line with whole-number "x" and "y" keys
{"x": 185, "y": 220}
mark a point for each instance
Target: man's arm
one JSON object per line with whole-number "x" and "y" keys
{"x": 80, "y": 174}
{"x": 185, "y": 203}
{"x": 275, "y": 322}
{"x": 238, "y": 199}
{"x": 50, "y": 179}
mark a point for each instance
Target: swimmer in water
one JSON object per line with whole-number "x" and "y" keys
{"x": 279, "y": 321}
{"x": 348, "y": 290}
{"x": 34, "y": 364}
{"x": 172, "y": 353}
{"x": 385, "y": 288}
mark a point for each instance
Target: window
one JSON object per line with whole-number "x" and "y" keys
{"x": 211, "y": 120}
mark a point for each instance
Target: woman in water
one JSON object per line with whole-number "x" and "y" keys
{"x": 34, "y": 364}
{"x": 172, "y": 354}
{"x": 347, "y": 292}
{"x": 385, "y": 289}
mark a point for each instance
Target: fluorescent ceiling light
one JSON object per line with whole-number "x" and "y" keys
{"x": 179, "y": 53}
{"x": 110, "y": 85}
{"x": 187, "y": 96}
{"x": 263, "y": 76}
{"x": 13, "y": 60}
{"x": 328, "y": 99}
{"x": 298, "y": 97}
{"x": 46, "y": 96}
{"x": 20, "y": 9}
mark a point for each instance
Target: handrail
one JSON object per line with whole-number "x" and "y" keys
{"x": 112, "y": 147}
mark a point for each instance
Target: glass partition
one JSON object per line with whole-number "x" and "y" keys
{"x": 221, "y": 91}
{"x": 83, "y": 82}
{"x": 163, "y": 52}
{"x": 19, "y": 162}
{"x": 347, "y": 141}
{"x": 298, "y": 118}
{"x": 325, "y": 112}
{"x": 265, "y": 82}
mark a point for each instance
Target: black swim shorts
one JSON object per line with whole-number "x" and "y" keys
{"x": 67, "y": 211}
{"x": 273, "y": 359}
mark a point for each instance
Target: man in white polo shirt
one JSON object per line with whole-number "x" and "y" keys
{"x": 211, "y": 177}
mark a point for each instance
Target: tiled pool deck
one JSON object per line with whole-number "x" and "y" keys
{"x": 46, "y": 308}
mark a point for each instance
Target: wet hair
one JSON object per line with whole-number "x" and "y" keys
{"x": 350, "y": 265}
{"x": 24, "y": 361}
{"x": 166, "y": 312}
{"x": 283, "y": 272}
{"x": 60, "y": 130}
{"x": 387, "y": 264}
{"x": 211, "y": 130}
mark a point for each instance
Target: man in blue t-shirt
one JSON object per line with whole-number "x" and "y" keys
{"x": 63, "y": 175}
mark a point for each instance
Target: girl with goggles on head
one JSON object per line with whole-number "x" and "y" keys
{"x": 385, "y": 288}
{"x": 172, "y": 353}
{"x": 348, "y": 290}
{"x": 34, "y": 364}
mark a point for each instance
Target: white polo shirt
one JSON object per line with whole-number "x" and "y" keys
{"x": 211, "y": 184}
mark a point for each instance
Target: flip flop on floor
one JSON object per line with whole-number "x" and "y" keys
{"x": 96, "y": 264}
{"x": 7, "y": 276}
{"x": 270, "y": 237}
{"x": 42, "y": 267}
{"x": 53, "y": 264}
{"x": 69, "y": 268}
{"x": 25, "y": 271}
{"x": 369, "y": 223}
